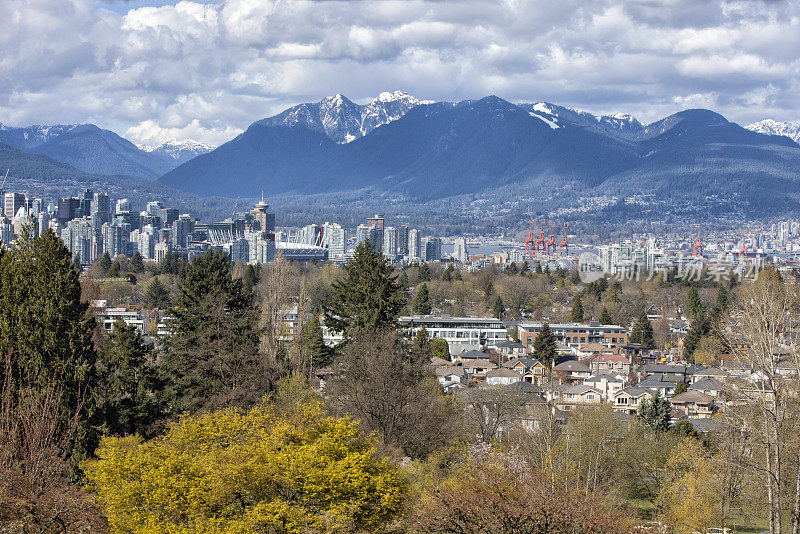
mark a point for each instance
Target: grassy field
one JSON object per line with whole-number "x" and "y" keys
{"x": 739, "y": 523}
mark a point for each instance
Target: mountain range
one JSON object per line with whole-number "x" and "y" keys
{"x": 425, "y": 151}
{"x": 91, "y": 149}
{"x": 773, "y": 127}
{"x": 451, "y": 156}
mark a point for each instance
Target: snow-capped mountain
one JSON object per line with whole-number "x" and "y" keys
{"x": 177, "y": 151}
{"x": 342, "y": 120}
{"x": 28, "y": 137}
{"x": 773, "y": 127}
{"x": 618, "y": 125}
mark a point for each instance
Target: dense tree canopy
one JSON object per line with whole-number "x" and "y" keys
{"x": 212, "y": 357}
{"x": 367, "y": 299}
{"x": 256, "y": 471}
{"x": 44, "y": 324}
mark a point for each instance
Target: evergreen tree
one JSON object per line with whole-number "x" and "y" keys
{"x": 488, "y": 291}
{"x": 104, "y": 264}
{"x": 128, "y": 383}
{"x": 212, "y": 355}
{"x": 512, "y": 269}
{"x": 422, "y": 342}
{"x": 655, "y": 413}
{"x": 421, "y": 305}
{"x": 250, "y": 277}
{"x": 525, "y": 267}
{"x": 367, "y": 299}
{"x": 700, "y": 326}
{"x": 113, "y": 272}
{"x": 721, "y": 304}
{"x": 424, "y": 273}
{"x": 447, "y": 275}
{"x": 439, "y": 348}
{"x": 45, "y": 328}
{"x": 576, "y": 316}
{"x": 545, "y": 348}
{"x": 680, "y": 387}
{"x": 498, "y": 308}
{"x": 137, "y": 265}
{"x": 402, "y": 281}
{"x": 312, "y": 343}
{"x": 538, "y": 268}
{"x": 156, "y": 295}
{"x": 642, "y": 331}
{"x": 605, "y": 317}
{"x": 694, "y": 306}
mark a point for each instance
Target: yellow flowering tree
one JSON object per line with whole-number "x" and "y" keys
{"x": 692, "y": 497}
{"x": 260, "y": 471}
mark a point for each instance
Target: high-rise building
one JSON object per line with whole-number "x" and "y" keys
{"x": 100, "y": 210}
{"x": 311, "y": 235}
{"x": 116, "y": 237}
{"x": 67, "y": 209}
{"x": 389, "y": 242}
{"x": 431, "y": 248}
{"x": 181, "y": 230}
{"x": 146, "y": 243}
{"x": 376, "y": 222}
{"x": 460, "y": 252}
{"x": 365, "y": 232}
{"x": 413, "y": 244}
{"x": 12, "y": 203}
{"x": 333, "y": 238}
{"x": 402, "y": 240}
{"x": 122, "y": 206}
{"x": 85, "y": 203}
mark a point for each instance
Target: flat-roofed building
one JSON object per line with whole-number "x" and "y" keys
{"x": 483, "y": 331}
{"x": 576, "y": 334}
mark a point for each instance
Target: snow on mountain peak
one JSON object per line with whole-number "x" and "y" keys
{"x": 773, "y": 127}
{"x": 178, "y": 150}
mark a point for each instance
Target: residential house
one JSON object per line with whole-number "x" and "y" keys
{"x": 664, "y": 384}
{"x": 610, "y": 363}
{"x": 502, "y": 377}
{"x": 467, "y": 355}
{"x": 477, "y": 369}
{"x": 451, "y": 377}
{"x": 694, "y": 404}
{"x": 509, "y": 349}
{"x": 628, "y": 399}
{"x": 675, "y": 372}
{"x": 590, "y": 349}
{"x": 577, "y": 396}
{"x": 709, "y": 372}
{"x": 572, "y": 371}
{"x": 709, "y": 386}
{"x": 607, "y": 385}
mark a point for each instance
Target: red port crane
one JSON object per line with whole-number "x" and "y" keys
{"x": 563, "y": 247}
{"x": 551, "y": 243}
{"x": 530, "y": 242}
{"x": 540, "y": 240}
{"x": 697, "y": 249}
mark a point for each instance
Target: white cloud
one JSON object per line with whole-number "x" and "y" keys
{"x": 207, "y": 70}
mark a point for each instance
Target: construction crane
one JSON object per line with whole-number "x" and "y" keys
{"x": 563, "y": 247}
{"x": 697, "y": 249}
{"x": 551, "y": 243}
{"x": 540, "y": 240}
{"x": 530, "y": 241}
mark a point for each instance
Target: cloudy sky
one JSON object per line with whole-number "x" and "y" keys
{"x": 154, "y": 70}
